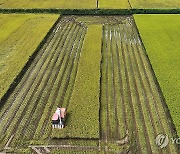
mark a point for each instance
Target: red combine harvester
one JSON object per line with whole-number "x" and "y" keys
{"x": 58, "y": 118}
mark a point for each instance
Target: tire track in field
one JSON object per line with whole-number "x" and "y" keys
{"x": 144, "y": 96}
{"x": 105, "y": 121}
{"x": 117, "y": 133}
{"x": 29, "y": 71}
{"x": 108, "y": 58}
{"x": 111, "y": 107}
{"x": 108, "y": 127}
{"x": 138, "y": 147}
{"x": 44, "y": 86}
{"x": 110, "y": 89}
{"x": 19, "y": 88}
{"x": 102, "y": 130}
{"x": 18, "y": 122}
{"x": 121, "y": 84}
{"x": 134, "y": 80}
{"x": 77, "y": 56}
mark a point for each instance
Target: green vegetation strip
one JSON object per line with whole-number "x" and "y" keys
{"x": 156, "y": 4}
{"x": 20, "y": 36}
{"x": 114, "y": 4}
{"x": 83, "y": 111}
{"x": 160, "y": 35}
{"x": 78, "y": 4}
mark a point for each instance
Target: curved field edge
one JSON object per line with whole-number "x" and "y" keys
{"x": 21, "y": 36}
{"x": 83, "y": 110}
{"x": 160, "y": 35}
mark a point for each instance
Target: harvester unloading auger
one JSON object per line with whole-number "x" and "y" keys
{"x": 58, "y": 118}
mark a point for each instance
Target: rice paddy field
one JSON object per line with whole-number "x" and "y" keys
{"x": 62, "y": 4}
{"x": 114, "y": 4}
{"x": 161, "y": 37}
{"x": 97, "y": 68}
{"x": 116, "y": 75}
{"x": 158, "y": 4}
{"x": 90, "y": 4}
{"x": 19, "y": 37}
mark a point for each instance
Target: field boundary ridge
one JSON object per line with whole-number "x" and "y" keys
{"x": 93, "y": 11}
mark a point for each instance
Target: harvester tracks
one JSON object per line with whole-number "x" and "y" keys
{"x": 136, "y": 89}
{"x": 121, "y": 85}
{"x": 111, "y": 90}
{"x": 108, "y": 132}
{"x": 15, "y": 111}
{"x": 47, "y": 94}
{"x": 117, "y": 135}
{"x": 67, "y": 78}
{"x": 144, "y": 89}
{"x": 129, "y": 99}
{"x": 141, "y": 103}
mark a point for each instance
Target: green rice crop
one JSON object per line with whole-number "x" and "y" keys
{"x": 20, "y": 36}
{"x": 62, "y": 4}
{"x": 160, "y": 4}
{"x": 114, "y": 4}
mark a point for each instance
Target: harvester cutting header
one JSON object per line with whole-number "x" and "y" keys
{"x": 58, "y": 118}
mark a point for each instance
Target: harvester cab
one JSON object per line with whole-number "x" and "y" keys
{"x": 58, "y": 118}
